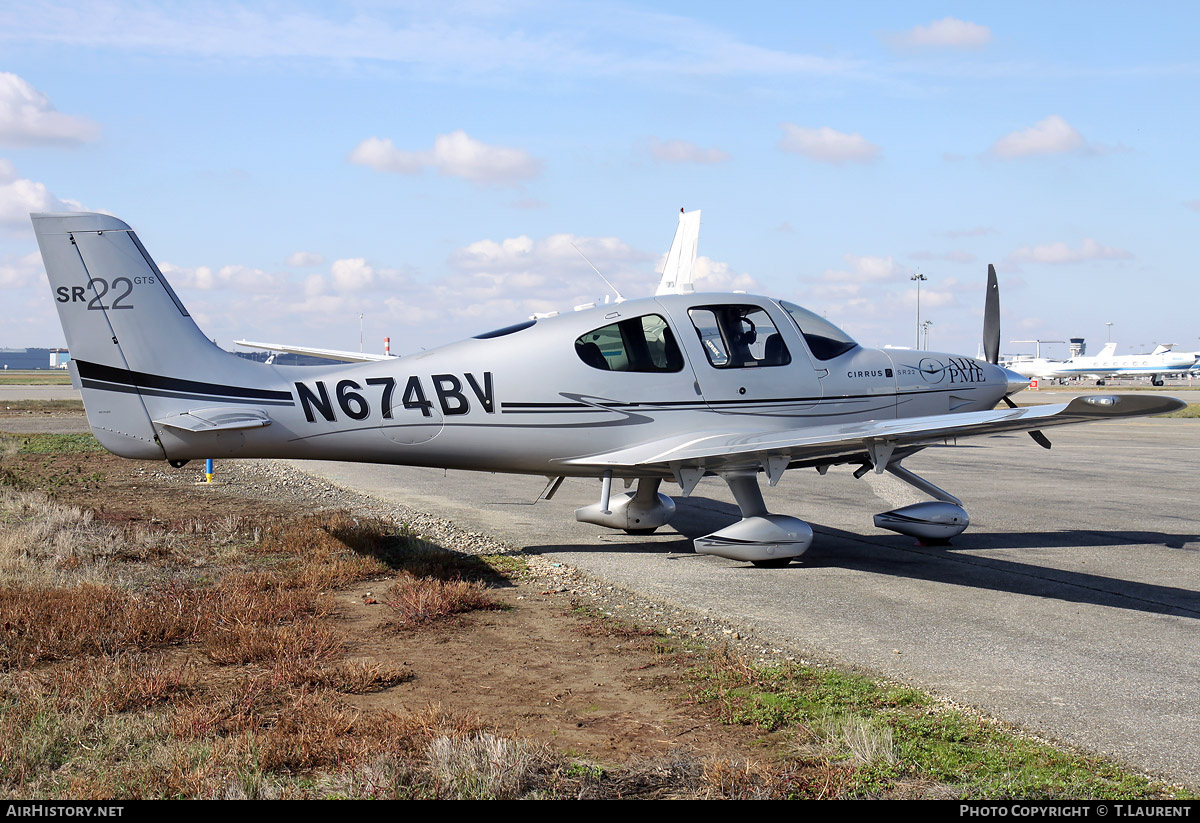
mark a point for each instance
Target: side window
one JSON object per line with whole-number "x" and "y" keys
{"x": 640, "y": 344}
{"x": 738, "y": 337}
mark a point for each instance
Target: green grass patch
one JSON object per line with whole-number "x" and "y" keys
{"x": 1191, "y": 410}
{"x": 509, "y": 566}
{"x": 44, "y": 406}
{"x": 54, "y": 443}
{"x": 34, "y": 378}
{"x": 891, "y": 737}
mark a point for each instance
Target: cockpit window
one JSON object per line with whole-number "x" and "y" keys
{"x": 639, "y": 344}
{"x": 736, "y": 337}
{"x": 825, "y": 340}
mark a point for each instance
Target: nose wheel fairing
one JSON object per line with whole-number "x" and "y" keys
{"x": 933, "y": 521}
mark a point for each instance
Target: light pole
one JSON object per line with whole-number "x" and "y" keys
{"x": 918, "y": 277}
{"x": 925, "y": 330}
{"x": 1109, "y": 338}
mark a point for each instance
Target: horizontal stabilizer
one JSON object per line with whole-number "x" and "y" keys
{"x": 217, "y": 419}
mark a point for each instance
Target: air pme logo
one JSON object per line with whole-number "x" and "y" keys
{"x": 956, "y": 370}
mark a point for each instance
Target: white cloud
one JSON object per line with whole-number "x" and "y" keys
{"x": 948, "y": 256}
{"x": 236, "y": 277}
{"x": 945, "y": 33}
{"x": 556, "y": 252}
{"x": 352, "y": 274}
{"x": 497, "y": 281}
{"x": 305, "y": 259}
{"x": 28, "y": 119}
{"x": 682, "y": 151}
{"x": 711, "y": 275}
{"x": 382, "y": 155}
{"x": 314, "y": 285}
{"x": 456, "y": 154}
{"x": 827, "y": 145}
{"x": 1062, "y": 253}
{"x": 601, "y": 40}
{"x": 866, "y": 270}
{"x": 19, "y": 197}
{"x": 1053, "y": 135}
{"x": 20, "y": 272}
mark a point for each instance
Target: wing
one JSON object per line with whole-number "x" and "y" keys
{"x": 327, "y": 354}
{"x": 878, "y": 440}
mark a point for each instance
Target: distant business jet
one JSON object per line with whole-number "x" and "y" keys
{"x": 1162, "y": 361}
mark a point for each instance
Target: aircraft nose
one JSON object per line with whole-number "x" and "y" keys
{"x": 1016, "y": 382}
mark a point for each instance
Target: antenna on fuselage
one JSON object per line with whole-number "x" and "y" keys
{"x": 620, "y": 297}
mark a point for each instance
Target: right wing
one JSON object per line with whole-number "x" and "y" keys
{"x": 327, "y": 354}
{"x": 728, "y": 450}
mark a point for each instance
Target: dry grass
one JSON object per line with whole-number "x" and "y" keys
{"x": 418, "y": 600}
{"x": 869, "y": 743}
{"x": 112, "y": 684}
{"x": 484, "y": 766}
{"x": 44, "y": 542}
{"x": 41, "y": 624}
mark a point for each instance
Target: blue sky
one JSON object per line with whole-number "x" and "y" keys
{"x": 429, "y": 165}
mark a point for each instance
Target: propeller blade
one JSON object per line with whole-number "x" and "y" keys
{"x": 1039, "y": 438}
{"x": 991, "y": 319}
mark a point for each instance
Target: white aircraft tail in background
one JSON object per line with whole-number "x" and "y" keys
{"x": 680, "y": 268}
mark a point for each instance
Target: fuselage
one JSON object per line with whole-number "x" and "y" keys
{"x": 1125, "y": 365}
{"x": 525, "y": 398}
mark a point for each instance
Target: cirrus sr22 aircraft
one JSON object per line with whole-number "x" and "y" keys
{"x": 667, "y": 388}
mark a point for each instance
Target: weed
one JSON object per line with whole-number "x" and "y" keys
{"x": 419, "y": 600}
{"x": 484, "y": 766}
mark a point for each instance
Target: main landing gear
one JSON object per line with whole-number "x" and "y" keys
{"x": 639, "y": 512}
{"x": 759, "y": 537}
{"x": 766, "y": 539}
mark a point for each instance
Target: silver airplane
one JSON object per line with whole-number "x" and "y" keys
{"x": 667, "y": 388}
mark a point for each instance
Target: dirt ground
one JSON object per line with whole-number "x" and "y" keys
{"x": 543, "y": 668}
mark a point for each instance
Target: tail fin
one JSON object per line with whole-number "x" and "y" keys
{"x": 679, "y": 269}
{"x": 1109, "y": 350}
{"x": 130, "y": 337}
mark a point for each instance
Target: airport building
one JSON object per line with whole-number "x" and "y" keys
{"x": 25, "y": 358}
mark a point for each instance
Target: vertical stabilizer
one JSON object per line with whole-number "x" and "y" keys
{"x": 681, "y": 259}
{"x": 137, "y": 351}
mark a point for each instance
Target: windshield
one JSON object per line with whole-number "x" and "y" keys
{"x": 825, "y": 340}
